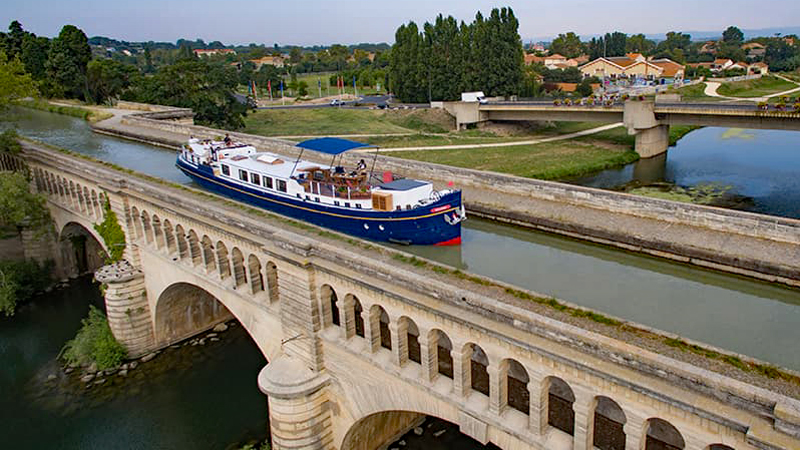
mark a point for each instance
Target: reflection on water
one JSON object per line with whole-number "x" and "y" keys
{"x": 761, "y": 164}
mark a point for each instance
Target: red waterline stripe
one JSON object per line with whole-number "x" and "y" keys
{"x": 454, "y": 241}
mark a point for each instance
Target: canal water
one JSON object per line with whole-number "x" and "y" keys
{"x": 208, "y": 398}
{"x": 762, "y": 166}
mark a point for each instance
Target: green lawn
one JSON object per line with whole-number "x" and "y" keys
{"x": 694, "y": 92}
{"x": 548, "y": 161}
{"x": 755, "y": 88}
{"x": 334, "y": 121}
{"x": 619, "y": 136}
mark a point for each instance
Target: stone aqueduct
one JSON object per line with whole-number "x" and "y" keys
{"x": 361, "y": 346}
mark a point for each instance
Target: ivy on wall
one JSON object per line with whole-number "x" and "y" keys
{"x": 112, "y": 234}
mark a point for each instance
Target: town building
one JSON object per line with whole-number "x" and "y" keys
{"x": 632, "y": 65}
{"x": 277, "y": 61}
{"x": 214, "y": 51}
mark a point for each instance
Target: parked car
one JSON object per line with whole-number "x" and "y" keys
{"x": 336, "y": 102}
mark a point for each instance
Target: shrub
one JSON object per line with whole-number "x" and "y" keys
{"x": 20, "y": 280}
{"x": 111, "y": 233}
{"x": 9, "y": 142}
{"x": 94, "y": 343}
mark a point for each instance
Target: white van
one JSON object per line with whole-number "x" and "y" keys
{"x": 473, "y": 97}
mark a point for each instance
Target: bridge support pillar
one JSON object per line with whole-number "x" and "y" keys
{"x": 299, "y": 409}
{"x": 127, "y": 307}
{"x": 583, "y": 429}
{"x": 652, "y": 141}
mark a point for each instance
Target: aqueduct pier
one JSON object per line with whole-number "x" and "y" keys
{"x": 363, "y": 341}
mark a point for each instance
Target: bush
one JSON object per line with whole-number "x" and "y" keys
{"x": 9, "y": 142}
{"x": 94, "y": 343}
{"x": 20, "y": 280}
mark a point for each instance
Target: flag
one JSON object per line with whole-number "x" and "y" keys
{"x": 269, "y": 86}
{"x": 354, "y": 81}
{"x": 319, "y": 83}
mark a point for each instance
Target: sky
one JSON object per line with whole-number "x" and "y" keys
{"x": 310, "y": 22}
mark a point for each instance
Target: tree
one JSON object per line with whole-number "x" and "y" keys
{"x": 205, "y": 87}
{"x": 640, "y": 44}
{"x": 108, "y": 79}
{"x": 14, "y": 82}
{"x": 34, "y": 55}
{"x": 733, "y": 36}
{"x": 66, "y": 65}
{"x": 18, "y": 205}
{"x": 616, "y": 43}
{"x": 295, "y": 55}
{"x": 568, "y": 45}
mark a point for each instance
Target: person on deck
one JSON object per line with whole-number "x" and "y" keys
{"x": 361, "y": 167}
{"x": 227, "y": 140}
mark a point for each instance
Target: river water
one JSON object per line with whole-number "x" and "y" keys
{"x": 742, "y": 315}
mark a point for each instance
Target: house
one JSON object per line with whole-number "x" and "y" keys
{"x": 553, "y": 60}
{"x": 583, "y": 59}
{"x": 758, "y": 68}
{"x": 214, "y": 51}
{"x": 754, "y": 50}
{"x": 789, "y": 40}
{"x": 277, "y": 61}
{"x": 538, "y": 47}
{"x": 530, "y": 58}
{"x": 721, "y": 64}
{"x": 633, "y": 65}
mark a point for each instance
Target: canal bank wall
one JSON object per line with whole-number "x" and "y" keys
{"x": 753, "y": 245}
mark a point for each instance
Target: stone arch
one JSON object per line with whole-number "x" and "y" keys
{"x": 379, "y": 321}
{"x": 719, "y": 447}
{"x": 184, "y": 310}
{"x": 81, "y": 248}
{"x": 195, "y": 254}
{"x": 255, "y": 275}
{"x": 88, "y": 199}
{"x": 272, "y": 282}
{"x": 410, "y": 344}
{"x": 608, "y": 421}
{"x": 209, "y": 260}
{"x": 355, "y": 315}
{"x": 477, "y": 374}
{"x": 239, "y": 275}
{"x": 662, "y": 435}
{"x": 96, "y": 205}
{"x": 183, "y": 246}
{"x": 514, "y": 386}
{"x": 559, "y": 398}
{"x": 378, "y": 429}
{"x": 158, "y": 232}
{"x": 223, "y": 261}
{"x": 441, "y": 348}
{"x": 138, "y": 233}
{"x": 330, "y": 306}
{"x": 148, "y": 229}
{"x": 169, "y": 238}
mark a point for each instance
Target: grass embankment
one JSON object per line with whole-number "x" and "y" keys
{"x": 338, "y": 121}
{"x": 74, "y": 111}
{"x": 694, "y": 93}
{"x": 759, "y": 87}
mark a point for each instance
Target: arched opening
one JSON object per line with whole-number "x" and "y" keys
{"x": 183, "y": 246}
{"x": 80, "y": 250}
{"x": 137, "y": 224}
{"x": 209, "y": 258}
{"x": 148, "y": 229}
{"x": 73, "y": 197}
{"x": 184, "y": 310}
{"x": 272, "y": 282}
{"x": 239, "y": 276}
{"x": 380, "y": 320}
{"x": 223, "y": 261}
{"x": 96, "y": 205}
{"x": 158, "y": 232}
{"x": 517, "y": 395}
{"x": 662, "y": 435}
{"x": 478, "y": 373}
{"x": 88, "y": 198}
{"x": 194, "y": 249}
{"x": 609, "y": 420}
{"x": 169, "y": 238}
{"x": 330, "y": 305}
{"x": 358, "y": 317}
{"x": 412, "y": 341}
{"x": 256, "y": 277}
{"x": 719, "y": 447}
{"x": 560, "y": 398}
{"x": 444, "y": 356}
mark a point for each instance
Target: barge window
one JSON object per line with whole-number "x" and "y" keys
{"x": 242, "y": 175}
{"x": 358, "y": 205}
{"x": 316, "y": 199}
{"x": 282, "y": 185}
{"x": 399, "y": 208}
{"x": 226, "y": 170}
{"x": 267, "y": 182}
{"x": 346, "y": 204}
{"x": 336, "y": 202}
{"x": 255, "y": 179}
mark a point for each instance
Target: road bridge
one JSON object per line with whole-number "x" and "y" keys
{"x": 647, "y": 120}
{"x": 364, "y": 341}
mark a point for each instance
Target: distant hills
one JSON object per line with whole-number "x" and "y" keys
{"x": 696, "y": 35}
